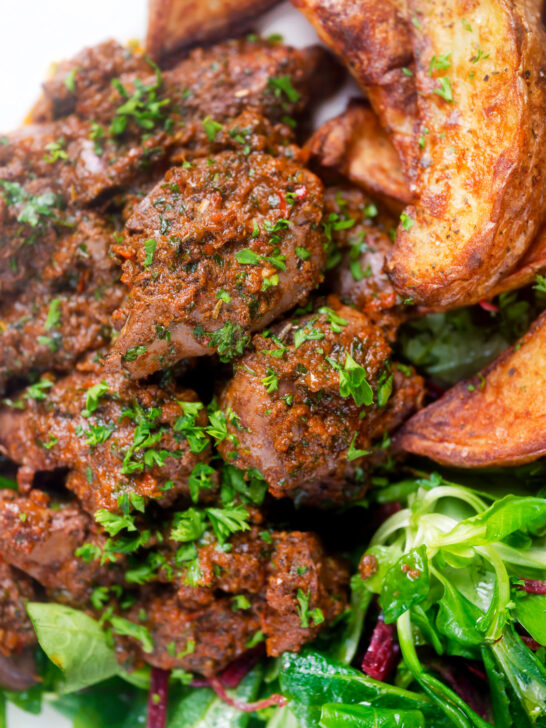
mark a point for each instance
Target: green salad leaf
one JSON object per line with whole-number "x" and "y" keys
{"x": 310, "y": 680}
{"x": 357, "y": 716}
{"x": 204, "y": 709}
{"x": 74, "y": 642}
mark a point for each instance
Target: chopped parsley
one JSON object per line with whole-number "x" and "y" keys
{"x": 230, "y": 340}
{"x": 445, "y": 91}
{"x": 53, "y": 314}
{"x": 439, "y": 63}
{"x": 97, "y": 135}
{"x": 143, "y": 105}
{"x": 188, "y": 427}
{"x": 55, "y": 151}
{"x": 270, "y": 381}
{"x": 191, "y": 524}
{"x": 353, "y": 381}
{"x": 335, "y": 320}
{"x": 212, "y": 128}
{"x": 92, "y": 397}
{"x": 70, "y": 80}
{"x": 36, "y": 208}
{"x": 354, "y": 453}
{"x": 38, "y": 390}
{"x": 308, "y": 617}
{"x": 134, "y": 352}
{"x": 307, "y": 333}
{"x": 283, "y": 85}
{"x": 201, "y": 478}
{"x": 406, "y": 221}
{"x": 139, "y": 632}
{"x": 149, "y": 247}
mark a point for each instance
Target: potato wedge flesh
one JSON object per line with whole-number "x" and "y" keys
{"x": 497, "y": 419}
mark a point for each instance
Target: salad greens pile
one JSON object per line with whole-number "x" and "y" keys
{"x": 447, "y": 620}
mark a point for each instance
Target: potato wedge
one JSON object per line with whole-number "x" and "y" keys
{"x": 481, "y": 185}
{"x": 499, "y": 418}
{"x": 526, "y": 271}
{"x": 374, "y": 40}
{"x": 174, "y": 25}
{"x": 355, "y": 145}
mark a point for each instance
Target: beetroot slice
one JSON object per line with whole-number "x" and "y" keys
{"x": 533, "y": 586}
{"x": 382, "y": 653}
{"x": 158, "y": 698}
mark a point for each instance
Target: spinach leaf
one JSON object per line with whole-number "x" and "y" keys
{"x": 75, "y": 643}
{"x": 405, "y": 584}
{"x": 356, "y": 716}
{"x": 202, "y": 708}
{"x": 530, "y": 611}
{"x": 310, "y": 680}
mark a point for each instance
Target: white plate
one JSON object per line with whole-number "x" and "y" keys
{"x": 36, "y": 33}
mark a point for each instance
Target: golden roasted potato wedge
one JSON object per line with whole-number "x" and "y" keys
{"x": 479, "y": 74}
{"x": 373, "y": 38}
{"x": 526, "y": 270}
{"x": 177, "y": 24}
{"x": 499, "y": 418}
{"x": 356, "y": 145}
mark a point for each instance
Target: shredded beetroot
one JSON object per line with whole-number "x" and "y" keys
{"x": 158, "y": 698}
{"x": 220, "y": 690}
{"x": 488, "y": 306}
{"x": 235, "y": 671}
{"x": 456, "y": 675}
{"x": 531, "y": 643}
{"x": 382, "y": 653}
{"x": 434, "y": 390}
{"x": 533, "y": 586}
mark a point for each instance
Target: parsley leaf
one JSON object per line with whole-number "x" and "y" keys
{"x": 283, "y": 85}
{"x": 53, "y": 314}
{"x": 149, "y": 246}
{"x": 307, "y": 615}
{"x": 92, "y": 397}
{"x": 211, "y": 128}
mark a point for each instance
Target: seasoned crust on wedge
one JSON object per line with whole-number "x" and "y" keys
{"x": 497, "y": 419}
{"x": 481, "y": 185}
{"x": 174, "y": 25}
{"x": 355, "y": 145}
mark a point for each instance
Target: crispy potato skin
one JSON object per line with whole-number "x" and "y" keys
{"x": 533, "y": 262}
{"x": 373, "y": 38}
{"x": 481, "y": 186}
{"x": 355, "y": 145}
{"x": 174, "y": 25}
{"x": 501, "y": 421}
